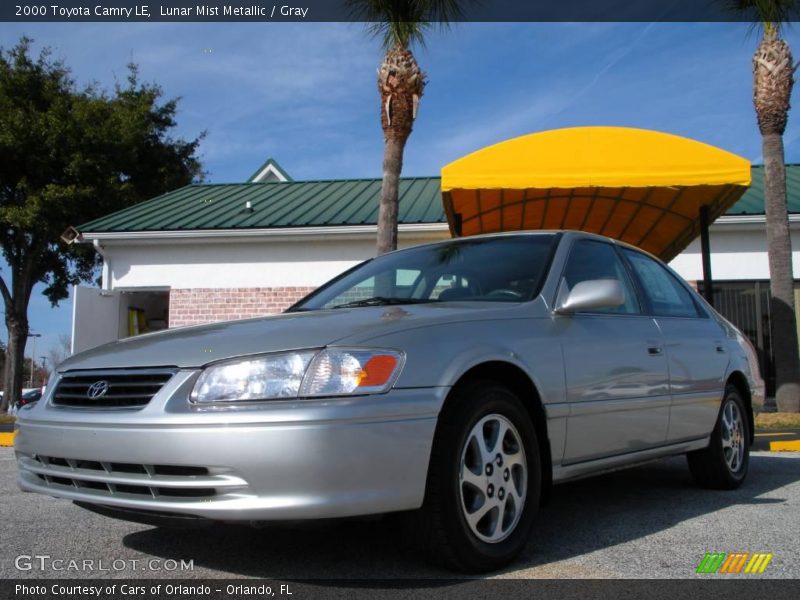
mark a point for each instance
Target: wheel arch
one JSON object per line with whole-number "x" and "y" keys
{"x": 738, "y": 379}
{"x": 522, "y": 385}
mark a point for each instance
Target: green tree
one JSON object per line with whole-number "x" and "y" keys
{"x": 69, "y": 154}
{"x": 773, "y": 79}
{"x": 399, "y": 24}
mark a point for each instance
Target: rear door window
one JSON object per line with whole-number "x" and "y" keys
{"x": 667, "y": 297}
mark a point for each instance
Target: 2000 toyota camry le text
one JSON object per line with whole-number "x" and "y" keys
{"x": 457, "y": 380}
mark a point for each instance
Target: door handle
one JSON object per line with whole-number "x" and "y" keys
{"x": 655, "y": 350}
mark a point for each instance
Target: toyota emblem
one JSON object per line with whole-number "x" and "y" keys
{"x": 97, "y": 390}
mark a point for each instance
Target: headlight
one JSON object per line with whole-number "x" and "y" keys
{"x": 304, "y": 374}
{"x": 264, "y": 378}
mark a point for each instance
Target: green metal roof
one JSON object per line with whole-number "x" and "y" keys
{"x": 752, "y": 202}
{"x": 327, "y": 203}
{"x": 285, "y": 204}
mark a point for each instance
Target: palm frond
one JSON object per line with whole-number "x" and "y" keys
{"x": 771, "y": 14}
{"x": 405, "y": 22}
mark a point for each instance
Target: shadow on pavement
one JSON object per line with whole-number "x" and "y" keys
{"x": 582, "y": 516}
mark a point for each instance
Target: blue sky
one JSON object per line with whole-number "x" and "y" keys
{"x": 305, "y": 94}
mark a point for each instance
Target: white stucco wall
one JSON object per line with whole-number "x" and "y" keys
{"x": 218, "y": 264}
{"x": 737, "y": 253}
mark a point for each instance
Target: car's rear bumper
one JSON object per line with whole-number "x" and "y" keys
{"x": 321, "y": 459}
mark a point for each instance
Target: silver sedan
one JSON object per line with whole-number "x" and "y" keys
{"x": 457, "y": 381}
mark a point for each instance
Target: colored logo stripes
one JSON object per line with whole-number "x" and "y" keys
{"x": 735, "y": 562}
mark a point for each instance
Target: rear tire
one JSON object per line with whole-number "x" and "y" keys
{"x": 724, "y": 463}
{"x": 484, "y": 480}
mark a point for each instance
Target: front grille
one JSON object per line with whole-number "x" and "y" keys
{"x": 129, "y": 480}
{"x": 110, "y": 389}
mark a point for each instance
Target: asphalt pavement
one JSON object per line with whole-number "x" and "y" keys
{"x": 647, "y": 522}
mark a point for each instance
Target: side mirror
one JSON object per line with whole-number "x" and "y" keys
{"x": 590, "y": 295}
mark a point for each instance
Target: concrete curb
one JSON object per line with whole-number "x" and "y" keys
{"x": 787, "y": 446}
{"x": 785, "y": 440}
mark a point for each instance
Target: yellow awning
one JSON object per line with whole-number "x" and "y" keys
{"x": 639, "y": 186}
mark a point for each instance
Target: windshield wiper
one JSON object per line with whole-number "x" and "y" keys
{"x": 382, "y": 301}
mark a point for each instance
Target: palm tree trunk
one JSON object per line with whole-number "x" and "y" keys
{"x": 400, "y": 85}
{"x": 387, "y": 212}
{"x": 784, "y": 332}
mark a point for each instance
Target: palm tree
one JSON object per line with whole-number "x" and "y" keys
{"x": 773, "y": 79}
{"x": 399, "y": 24}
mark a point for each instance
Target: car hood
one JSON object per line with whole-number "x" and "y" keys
{"x": 199, "y": 345}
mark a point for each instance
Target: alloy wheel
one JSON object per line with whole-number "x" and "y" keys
{"x": 493, "y": 478}
{"x": 733, "y": 442}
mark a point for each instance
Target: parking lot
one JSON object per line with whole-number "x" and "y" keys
{"x": 647, "y": 522}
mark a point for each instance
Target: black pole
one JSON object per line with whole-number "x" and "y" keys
{"x": 705, "y": 250}
{"x": 457, "y": 224}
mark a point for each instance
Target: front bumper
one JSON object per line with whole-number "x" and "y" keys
{"x": 275, "y": 461}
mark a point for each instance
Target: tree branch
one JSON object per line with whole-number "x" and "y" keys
{"x": 6, "y": 294}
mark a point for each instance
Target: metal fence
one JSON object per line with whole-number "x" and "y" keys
{"x": 746, "y": 305}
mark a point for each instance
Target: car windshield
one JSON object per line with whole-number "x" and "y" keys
{"x": 498, "y": 269}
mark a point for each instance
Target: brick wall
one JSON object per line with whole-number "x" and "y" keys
{"x": 207, "y": 305}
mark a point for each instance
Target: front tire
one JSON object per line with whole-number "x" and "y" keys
{"x": 724, "y": 464}
{"x": 484, "y": 480}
